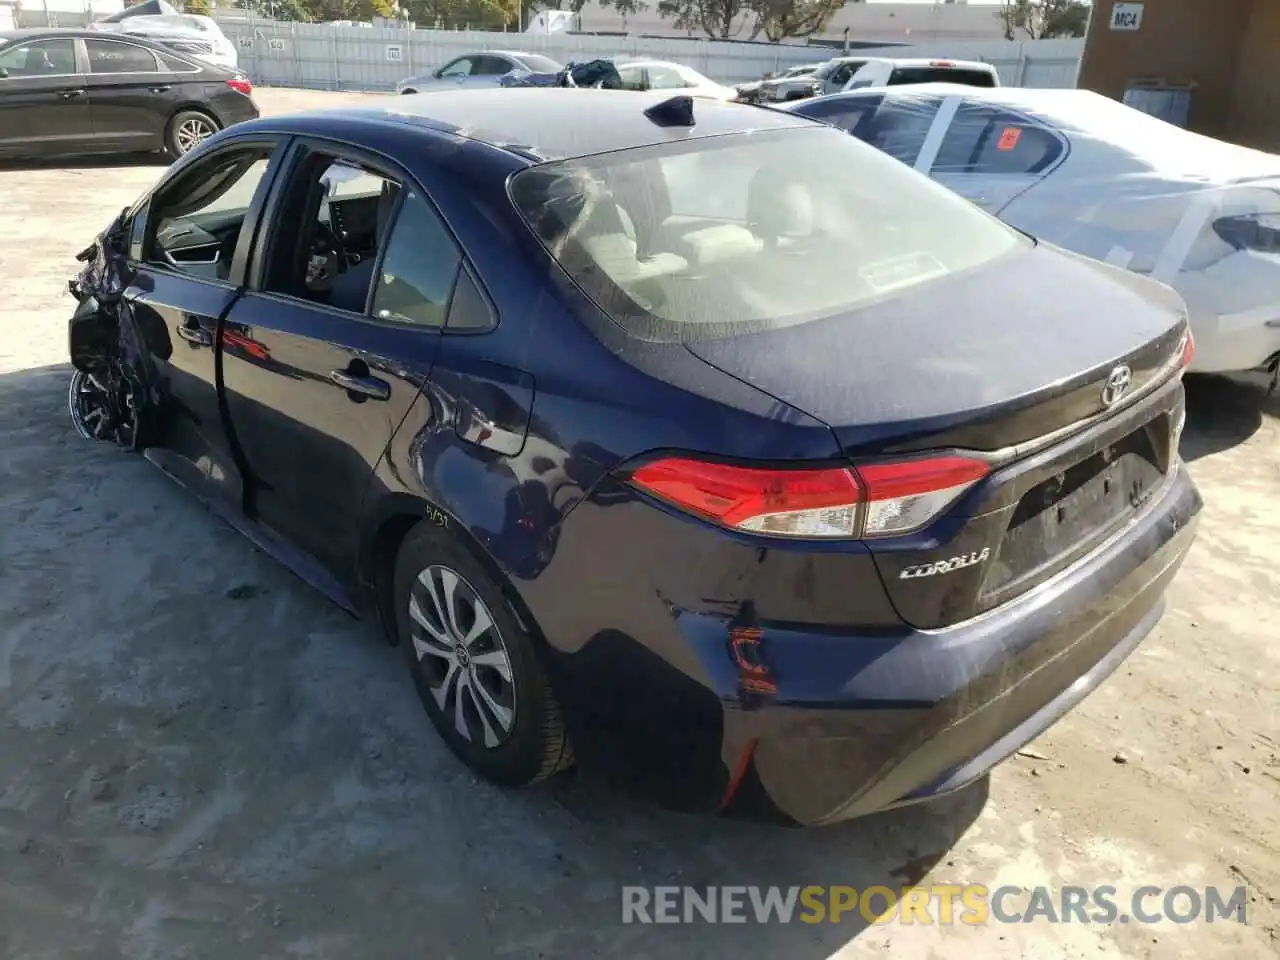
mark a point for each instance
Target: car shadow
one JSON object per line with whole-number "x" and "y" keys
{"x": 1223, "y": 411}
{"x": 89, "y": 162}
{"x": 198, "y": 735}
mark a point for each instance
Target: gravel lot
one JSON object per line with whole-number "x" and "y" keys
{"x": 188, "y": 769}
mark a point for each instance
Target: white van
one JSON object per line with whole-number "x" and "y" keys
{"x": 884, "y": 72}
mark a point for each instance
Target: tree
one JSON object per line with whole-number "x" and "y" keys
{"x": 715, "y": 18}
{"x": 780, "y": 19}
{"x": 451, "y": 14}
{"x": 1043, "y": 19}
{"x": 724, "y": 19}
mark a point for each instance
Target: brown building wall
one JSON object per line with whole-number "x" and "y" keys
{"x": 1180, "y": 41}
{"x": 1255, "y": 105}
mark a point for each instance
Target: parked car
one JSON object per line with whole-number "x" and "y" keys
{"x": 196, "y": 36}
{"x": 484, "y": 69}
{"x": 1092, "y": 175}
{"x": 883, "y": 72}
{"x": 664, "y": 75}
{"x": 83, "y": 91}
{"x": 835, "y": 73}
{"x": 794, "y": 83}
{"x": 699, "y": 442}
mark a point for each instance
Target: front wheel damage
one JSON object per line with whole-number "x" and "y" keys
{"x": 112, "y": 395}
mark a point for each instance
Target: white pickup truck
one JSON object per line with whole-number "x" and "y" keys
{"x": 885, "y": 72}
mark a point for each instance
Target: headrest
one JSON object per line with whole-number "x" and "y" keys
{"x": 778, "y": 205}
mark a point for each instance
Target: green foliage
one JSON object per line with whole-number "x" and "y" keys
{"x": 747, "y": 19}
{"x": 1043, "y": 19}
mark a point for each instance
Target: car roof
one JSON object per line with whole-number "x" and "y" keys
{"x": 543, "y": 124}
{"x": 53, "y": 33}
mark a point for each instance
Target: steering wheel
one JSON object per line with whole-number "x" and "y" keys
{"x": 327, "y": 259}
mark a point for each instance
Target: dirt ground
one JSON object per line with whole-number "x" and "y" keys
{"x": 188, "y": 769}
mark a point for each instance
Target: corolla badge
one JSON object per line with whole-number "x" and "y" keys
{"x": 1117, "y": 384}
{"x": 944, "y": 566}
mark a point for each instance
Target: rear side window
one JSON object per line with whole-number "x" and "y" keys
{"x": 987, "y": 139}
{"x": 715, "y": 236}
{"x": 970, "y": 78}
{"x": 419, "y": 268}
{"x": 108, "y": 56}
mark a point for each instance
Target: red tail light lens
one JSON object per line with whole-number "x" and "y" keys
{"x": 873, "y": 500}
{"x": 1188, "y": 350}
{"x": 241, "y": 85}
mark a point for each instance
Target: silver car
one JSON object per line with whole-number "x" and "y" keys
{"x": 483, "y": 69}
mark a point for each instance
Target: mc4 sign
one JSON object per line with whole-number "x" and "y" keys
{"x": 1126, "y": 16}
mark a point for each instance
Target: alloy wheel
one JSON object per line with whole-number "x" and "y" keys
{"x": 462, "y": 656}
{"x": 98, "y": 415}
{"x": 192, "y": 132}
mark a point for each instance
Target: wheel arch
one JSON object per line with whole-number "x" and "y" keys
{"x": 396, "y": 516}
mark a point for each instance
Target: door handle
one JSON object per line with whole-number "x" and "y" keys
{"x": 164, "y": 88}
{"x": 195, "y": 335}
{"x": 364, "y": 386}
{"x": 71, "y": 94}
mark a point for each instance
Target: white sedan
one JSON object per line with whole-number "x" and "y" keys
{"x": 676, "y": 77}
{"x": 1094, "y": 176}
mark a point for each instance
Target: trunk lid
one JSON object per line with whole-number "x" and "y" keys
{"x": 1011, "y": 360}
{"x": 986, "y": 360}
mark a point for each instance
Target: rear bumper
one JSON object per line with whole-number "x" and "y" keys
{"x": 232, "y": 107}
{"x": 935, "y": 710}
{"x": 1232, "y": 343}
{"x": 861, "y": 718}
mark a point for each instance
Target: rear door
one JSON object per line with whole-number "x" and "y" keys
{"x": 44, "y": 108}
{"x": 189, "y": 249}
{"x": 990, "y": 154}
{"x": 326, "y": 353}
{"x": 131, "y": 94}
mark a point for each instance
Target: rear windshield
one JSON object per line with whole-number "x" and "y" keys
{"x": 969, "y": 77}
{"x": 717, "y": 236}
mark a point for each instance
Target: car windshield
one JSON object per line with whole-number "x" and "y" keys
{"x": 716, "y": 236}
{"x": 537, "y": 63}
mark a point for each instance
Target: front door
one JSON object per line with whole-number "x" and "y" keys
{"x": 189, "y": 264}
{"x": 131, "y": 95}
{"x": 326, "y": 353}
{"x": 44, "y": 106}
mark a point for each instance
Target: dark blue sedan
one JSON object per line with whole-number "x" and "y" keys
{"x": 701, "y": 443}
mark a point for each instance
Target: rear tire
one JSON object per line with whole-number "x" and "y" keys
{"x": 474, "y": 665}
{"x": 187, "y": 130}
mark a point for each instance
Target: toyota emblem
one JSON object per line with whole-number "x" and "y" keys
{"x": 1117, "y": 384}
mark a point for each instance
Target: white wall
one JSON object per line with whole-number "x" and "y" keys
{"x": 324, "y": 57}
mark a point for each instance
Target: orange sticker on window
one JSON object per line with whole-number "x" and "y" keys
{"x": 1009, "y": 138}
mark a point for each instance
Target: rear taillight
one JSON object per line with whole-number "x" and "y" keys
{"x": 1188, "y": 350}
{"x": 241, "y": 85}
{"x": 871, "y": 500}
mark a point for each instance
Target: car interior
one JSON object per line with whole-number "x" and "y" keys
{"x": 690, "y": 239}
{"x": 328, "y": 255}
{"x": 197, "y": 219}
{"x": 50, "y": 58}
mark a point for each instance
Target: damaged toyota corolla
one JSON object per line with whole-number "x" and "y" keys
{"x": 704, "y": 445}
